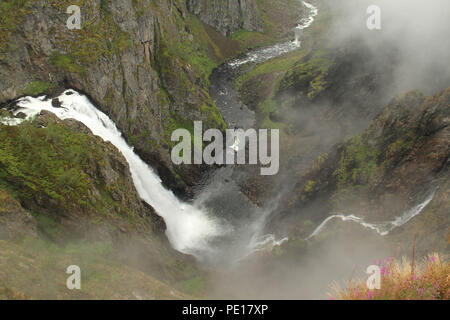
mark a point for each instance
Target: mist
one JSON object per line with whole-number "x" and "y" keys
{"x": 409, "y": 52}
{"x": 417, "y": 31}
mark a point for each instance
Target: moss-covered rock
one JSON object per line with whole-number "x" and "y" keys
{"x": 393, "y": 165}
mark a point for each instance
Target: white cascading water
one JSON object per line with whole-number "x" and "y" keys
{"x": 188, "y": 228}
{"x": 381, "y": 228}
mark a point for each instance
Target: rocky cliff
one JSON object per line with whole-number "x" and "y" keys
{"x": 391, "y": 167}
{"x": 145, "y": 63}
{"x": 228, "y": 16}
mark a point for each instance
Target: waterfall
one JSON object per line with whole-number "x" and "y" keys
{"x": 188, "y": 228}
{"x": 380, "y": 228}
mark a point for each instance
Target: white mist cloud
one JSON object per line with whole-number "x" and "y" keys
{"x": 418, "y": 31}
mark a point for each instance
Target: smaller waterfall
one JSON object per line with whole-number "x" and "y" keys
{"x": 298, "y": 36}
{"x": 381, "y": 228}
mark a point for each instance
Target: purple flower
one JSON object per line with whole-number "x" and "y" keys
{"x": 370, "y": 294}
{"x": 433, "y": 259}
{"x": 383, "y": 270}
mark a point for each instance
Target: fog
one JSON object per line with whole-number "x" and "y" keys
{"x": 418, "y": 31}
{"x": 410, "y": 51}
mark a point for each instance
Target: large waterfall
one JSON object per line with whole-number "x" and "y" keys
{"x": 188, "y": 228}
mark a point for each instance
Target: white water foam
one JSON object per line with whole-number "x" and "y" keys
{"x": 188, "y": 228}
{"x": 308, "y": 21}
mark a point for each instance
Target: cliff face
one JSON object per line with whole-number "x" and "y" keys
{"x": 391, "y": 167}
{"x": 228, "y": 16}
{"x": 145, "y": 63}
{"x": 14, "y": 220}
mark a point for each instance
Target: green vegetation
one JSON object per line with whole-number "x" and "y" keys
{"x": 203, "y": 40}
{"x": 250, "y": 39}
{"x": 57, "y": 164}
{"x": 35, "y": 269}
{"x": 402, "y": 280}
{"x": 275, "y": 14}
{"x": 302, "y": 72}
{"x": 197, "y": 55}
{"x": 292, "y": 247}
{"x": 358, "y": 164}
{"x": 194, "y": 286}
{"x": 278, "y": 65}
{"x": 56, "y": 172}
{"x": 50, "y": 160}
{"x": 11, "y": 16}
{"x": 36, "y": 88}
{"x": 66, "y": 63}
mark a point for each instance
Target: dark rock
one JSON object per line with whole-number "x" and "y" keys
{"x": 14, "y": 220}
{"x": 228, "y": 16}
{"x": 21, "y": 115}
{"x": 56, "y": 103}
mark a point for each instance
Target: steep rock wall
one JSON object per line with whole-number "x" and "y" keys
{"x": 144, "y": 63}
{"x": 228, "y": 16}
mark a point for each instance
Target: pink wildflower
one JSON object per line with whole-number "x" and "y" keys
{"x": 383, "y": 270}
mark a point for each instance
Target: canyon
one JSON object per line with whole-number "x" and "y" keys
{"x": 87, "y": 119}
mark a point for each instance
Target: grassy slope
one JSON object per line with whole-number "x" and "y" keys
{"x": 311, "y": 62}
{"x": 56, "y": 165}
{"x": 36, "y": 269}
{"x": 278, "y": 17}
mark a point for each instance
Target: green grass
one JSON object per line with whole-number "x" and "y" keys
{"x": 11, "y": 16}
{"x": 37, "y": 88}
{"x": 250, "y": 39}
{"x": 56, "y": 165}
{"x": 66, "y": 63}
{"x": 50, "y": 160}
{"x": 358, "y": 164}
{"x": 36, "y": 269}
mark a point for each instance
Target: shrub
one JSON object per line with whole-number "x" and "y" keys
{"x": 429, "y": 280}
